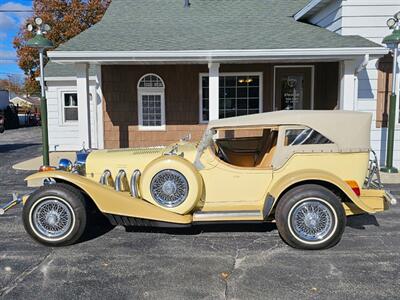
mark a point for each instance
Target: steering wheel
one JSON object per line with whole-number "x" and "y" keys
{"x": 221, "y": 154}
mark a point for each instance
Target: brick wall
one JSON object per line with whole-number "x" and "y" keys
{"x": 182, "y": 99}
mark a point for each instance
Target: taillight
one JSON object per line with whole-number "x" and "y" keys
{"x": 46, "y": 168}
{"x": 354, "y": 186}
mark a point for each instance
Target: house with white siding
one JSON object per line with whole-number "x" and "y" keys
{"x": 153, "y": 71}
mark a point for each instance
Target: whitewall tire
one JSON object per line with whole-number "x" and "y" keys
{"x": 310, "y": 217}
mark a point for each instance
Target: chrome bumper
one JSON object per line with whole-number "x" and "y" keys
{"x": 16, "y": 199}
{"x": 390, "y": 198}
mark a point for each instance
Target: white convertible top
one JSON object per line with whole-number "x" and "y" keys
{"x": 347, "y": 129}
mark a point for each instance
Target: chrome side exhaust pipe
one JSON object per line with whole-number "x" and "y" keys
{"x": 118, "y": 180}
{"x": 15, "y": 201}
{"x": 105, "y": 177}
{"x": 134, "y": 183}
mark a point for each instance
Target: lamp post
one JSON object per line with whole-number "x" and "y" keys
{"x": 392, "y": 42}
{"x": 41, "y": 43}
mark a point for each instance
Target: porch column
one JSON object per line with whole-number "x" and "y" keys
{"x": 99, "y": 107}
{"x": 82, "y": 86}
{"x": 347, "y": 93}
{"x": 213, "y": 75}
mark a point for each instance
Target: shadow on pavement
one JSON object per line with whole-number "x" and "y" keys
{"x": 196, "y": 229}
{"x": 99, "y": 225}
{"x": 11, "y": 147}
{"x": 360, "y": 221}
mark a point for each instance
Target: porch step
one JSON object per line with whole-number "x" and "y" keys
{"x": 388, "y": 178}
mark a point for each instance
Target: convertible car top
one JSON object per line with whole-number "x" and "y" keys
{"x": 349, "y": 130}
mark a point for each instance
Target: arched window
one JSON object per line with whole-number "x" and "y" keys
{"x": 151, "y": 102}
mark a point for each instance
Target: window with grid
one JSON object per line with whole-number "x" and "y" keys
{"x": 70, "y": 107}
{"x": 151, "y": 110}
{"x": 238, "y": 95}
{"x": 151, "y": 102}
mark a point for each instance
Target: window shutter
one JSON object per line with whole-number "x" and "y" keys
{"x": 385, "y": 65}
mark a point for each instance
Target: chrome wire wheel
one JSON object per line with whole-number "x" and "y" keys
{"x": 312, "y": 220}
{"x": 169, "y": 188}
{"x": 52, "y": 218}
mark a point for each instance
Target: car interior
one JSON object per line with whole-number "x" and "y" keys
{"x": 247, "y": 147}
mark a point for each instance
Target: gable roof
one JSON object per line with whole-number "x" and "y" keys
{"x": 165, "y": 25}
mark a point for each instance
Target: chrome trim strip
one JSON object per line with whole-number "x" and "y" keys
{"x": 118, "y": 180}
{"x": 134, "y": 183}
{"x": 16, "y": 199}
{"x": 226, "y": 214}
{"x": 390, "y": 198}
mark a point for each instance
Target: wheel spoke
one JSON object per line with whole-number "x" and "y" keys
{"x": 312, "y": 220}
{"x": 52, "y": 218}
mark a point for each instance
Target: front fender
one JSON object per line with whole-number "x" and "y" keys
{"x": 110, "y": 201}
{"x": 288, "y": 180}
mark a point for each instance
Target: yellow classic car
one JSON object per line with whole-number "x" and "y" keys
{"x": 304, "y": 170}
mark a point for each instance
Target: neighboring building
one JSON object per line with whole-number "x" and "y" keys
{"x": 28, "y": 109}
{"x": 4, "y": 99}
{"x": 152, "y": 71}
{"x": 26, "y": 103}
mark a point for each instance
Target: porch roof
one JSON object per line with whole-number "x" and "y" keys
{"x": 208, "y": 25}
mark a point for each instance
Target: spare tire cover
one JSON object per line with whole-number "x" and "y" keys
{"x": 173, "y": 183}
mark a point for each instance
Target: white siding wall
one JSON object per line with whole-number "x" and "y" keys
{"x": 366, "y": 18}
{"x": 63, "y": 136}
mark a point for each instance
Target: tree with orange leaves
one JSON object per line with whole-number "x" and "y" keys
{"x": 67, "y": 18}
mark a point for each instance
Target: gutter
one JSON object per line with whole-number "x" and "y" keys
{"x": 357, "y": 70}
{"x": 205, "y": 56}
{"x": 314, "y": 4}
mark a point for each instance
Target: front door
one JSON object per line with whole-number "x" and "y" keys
{"x": 293, "y": 88}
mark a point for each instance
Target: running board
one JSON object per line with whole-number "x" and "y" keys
{"x": 239, "y": 215}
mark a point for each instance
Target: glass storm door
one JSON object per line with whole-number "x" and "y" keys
{"x": 293, "y": 88}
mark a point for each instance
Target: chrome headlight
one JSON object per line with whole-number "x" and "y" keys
{"x": 169, "y": 188}
{"x": 65, "y": 165}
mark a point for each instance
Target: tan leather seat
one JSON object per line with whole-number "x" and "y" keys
{"x": 268, "y": 143}
{"x": 267, "y": 160}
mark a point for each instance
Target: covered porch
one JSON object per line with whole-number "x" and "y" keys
{"x": 143, "y": 103}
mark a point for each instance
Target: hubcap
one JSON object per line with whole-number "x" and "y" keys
{"x": 312, "y": 220}
{"x": 169, "y": 188}
{"x": 52, "y": 218}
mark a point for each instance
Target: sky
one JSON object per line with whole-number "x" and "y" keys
{"x": 10, "y": 22}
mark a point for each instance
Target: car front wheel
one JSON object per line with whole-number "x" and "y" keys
{"x": 310, "y": 217}
{"x": 55, "y": 215}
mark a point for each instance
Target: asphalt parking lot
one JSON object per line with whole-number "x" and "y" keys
{"x": 234, "y": 262}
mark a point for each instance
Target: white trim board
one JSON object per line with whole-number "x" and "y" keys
{"x": 210, "y": 55}
{"x": 290, "y": 67}
{"x": 259, "y": 74}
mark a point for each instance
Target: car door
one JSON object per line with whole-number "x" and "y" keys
{"x": 229, "y": 187}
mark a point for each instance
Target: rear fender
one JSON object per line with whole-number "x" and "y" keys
{"x": 294, "y": 178}
{"x": 110, "y": 201}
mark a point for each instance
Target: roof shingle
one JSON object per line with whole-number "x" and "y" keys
{"x": 158, "y": 25}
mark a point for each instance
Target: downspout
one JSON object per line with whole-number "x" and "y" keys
{"x": 360, "y": 67}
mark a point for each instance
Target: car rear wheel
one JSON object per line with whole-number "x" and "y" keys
{"x": 55, "y": 215}
{"x": 310, "y": 217}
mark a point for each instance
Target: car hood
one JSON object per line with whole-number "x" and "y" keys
{"x": 131, "y": 159}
